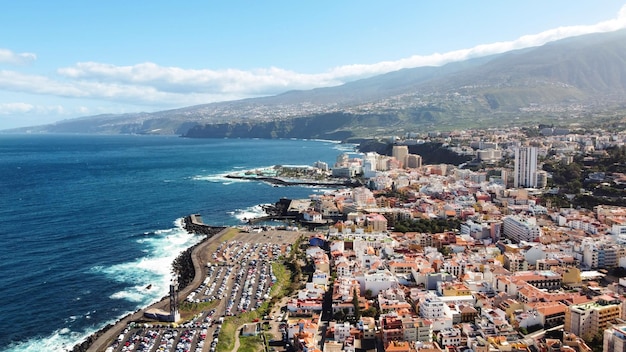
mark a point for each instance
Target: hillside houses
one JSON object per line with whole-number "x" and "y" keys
{"x": 510, "y": 267}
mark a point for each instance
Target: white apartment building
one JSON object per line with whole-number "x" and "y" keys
{"x": 614, "y": 339}
{"x": 525, "y": 171}
{"x": 377, "y": 280}
{"x": 417, "y": 329}
{"x": 431, "y": 307}
{"x": 601, "y": 255}
{"x": 449, "y": 337}
{"x": 520, "y": 229}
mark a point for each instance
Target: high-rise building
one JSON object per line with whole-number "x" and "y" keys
{"x": 525, "y": 172}
{"x": 413, "y": 161}
{"x": 400, "y": 152}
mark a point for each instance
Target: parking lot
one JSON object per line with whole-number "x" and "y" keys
{"x": 238, "y": 278}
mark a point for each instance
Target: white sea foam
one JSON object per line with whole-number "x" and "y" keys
{"x": 348, "y": 148}
{"x": 252, "y": 212}
{"x": 217, "y": 178}
{"x": 155, "y": 269}
{"x": 324, "y": 190}
{"x": 60, "y": 340}
{"x": 132, "y": 295}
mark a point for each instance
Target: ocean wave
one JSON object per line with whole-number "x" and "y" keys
{"x": 133, "y": 295}
{"x": 348, "y": 148}
{"x": 252, "y": 212}
{"x": 217, "y": 178}
{"x": 60, "y": 340}
{"x": 155, "y": 269}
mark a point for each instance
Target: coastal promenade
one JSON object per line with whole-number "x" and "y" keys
{"x": 200, "y": 257}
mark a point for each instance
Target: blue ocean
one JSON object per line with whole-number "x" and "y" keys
{"x": 88, "y": 222}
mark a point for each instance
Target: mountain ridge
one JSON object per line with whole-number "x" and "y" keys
{"x": 561, "y": 80}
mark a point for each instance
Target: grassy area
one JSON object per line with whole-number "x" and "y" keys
{"x": 230, "y": 330}
{"x": 230, "y": 233}
{"x": 250, "y": 343}
{"x": 189, "y": 310}
{"x": 280, "y": 287}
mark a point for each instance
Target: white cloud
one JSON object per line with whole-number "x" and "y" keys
{"x": 159, "y": 81}
{"x": 437, "y": 59}
{"x": 9, "y": 57}
{"x": 15, "y": 108}
{"x": 136, "y": 94}
{"x": 163, "y": 87}
{"x": 174, "y": 79}
{"x": 21, "y": 108}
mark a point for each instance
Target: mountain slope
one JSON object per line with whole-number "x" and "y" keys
{"x": 560, "y": 80}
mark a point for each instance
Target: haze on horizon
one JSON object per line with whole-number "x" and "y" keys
{"x": 118, "y": 57}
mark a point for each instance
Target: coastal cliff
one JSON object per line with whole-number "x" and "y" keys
{"x": 333, "y": 126}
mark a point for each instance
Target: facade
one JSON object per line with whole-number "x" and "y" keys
{"x": 525, "y": 171}
{"x": 520, "y": 229}
{"x": 515, "y": 262}
{"x": 614, "y": 339}
{"x": 541, "y": 279}
{"x": 602, "y": 255}
{"x": 431, "y": 307}
{"x": 400, "y": 152}
{"x": 591, "y": 318}
{"x": 449, "y": 337}
{"x": 414, "y": 161}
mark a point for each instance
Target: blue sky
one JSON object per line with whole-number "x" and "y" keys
{"x": 64, "y": 59}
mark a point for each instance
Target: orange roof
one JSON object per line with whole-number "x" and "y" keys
{"x": 556, "y": 308}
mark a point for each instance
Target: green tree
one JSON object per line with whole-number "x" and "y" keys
{"x": 355, "y": 302}
{"x": 339, "y": 316}
{"x": 370, "y": 312}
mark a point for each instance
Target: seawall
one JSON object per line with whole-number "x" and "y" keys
{"x": 187, "y": 264}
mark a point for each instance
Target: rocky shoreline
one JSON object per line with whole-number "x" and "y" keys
{"x": 183, "y": 265}
{"x": 298, "y": 182}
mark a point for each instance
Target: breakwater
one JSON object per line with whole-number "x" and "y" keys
{"x": 193, "y": 224}
{"x": 280, "y": 181}
{"x": 183, "y": 265}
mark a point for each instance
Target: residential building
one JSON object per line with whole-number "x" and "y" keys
{"x": 449, "y": 337}
{"x": 590, "y": 318}
{"x": 520, "y": 229}
{"x": 515, "y": 262}
{"x": 614, "y": 339}
{"x": 525, "y": 170}
{"x": 400, "y": 152}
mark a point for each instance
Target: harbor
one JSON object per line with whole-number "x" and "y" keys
{"x": 294, "y": 176}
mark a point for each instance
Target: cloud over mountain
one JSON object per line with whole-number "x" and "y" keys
{"x": 149, "y": 82}
{"x": 151, "y": 86}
